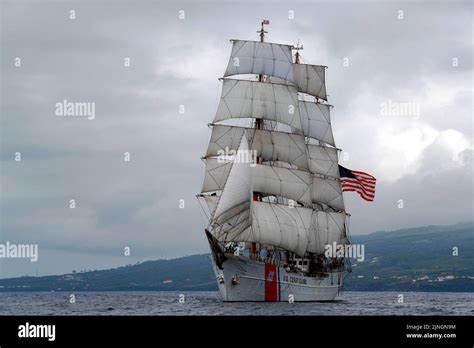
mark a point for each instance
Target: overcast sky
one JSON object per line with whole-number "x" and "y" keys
{"x": 423, "y": 159}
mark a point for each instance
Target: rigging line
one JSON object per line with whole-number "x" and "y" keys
{"x": 214, "y": 179}
{"x": 301, "y": 219}
{"x": 347, "y": 233}
{"x": 233, "y": 54}
{"x": 243, "y": 230}
{"x": 202, "y": 208}
{"x": 232, "y": 165}
{"x": 245, "y": 94}
{"x": 254, "y": 55}
{"x": 273, "y": 56}
{"x": 279, "y": 225}
{"x": 202, "y": 172}
{"x": 251, "y": 219}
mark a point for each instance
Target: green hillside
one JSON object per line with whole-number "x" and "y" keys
{"x": 417, "y": 259}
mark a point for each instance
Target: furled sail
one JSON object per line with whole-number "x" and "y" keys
{"x": 251, "y": 57}
{"x": 268, "y": 101}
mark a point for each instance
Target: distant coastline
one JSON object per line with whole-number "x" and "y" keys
{"x": 417, "y": 259}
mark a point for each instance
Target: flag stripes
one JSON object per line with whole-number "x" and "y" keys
{"x": 360, "y": 182}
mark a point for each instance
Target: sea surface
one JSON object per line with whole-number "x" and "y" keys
{"x": 209, "y": 303}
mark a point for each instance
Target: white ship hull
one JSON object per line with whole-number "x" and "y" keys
{"x": 242, "y": 279}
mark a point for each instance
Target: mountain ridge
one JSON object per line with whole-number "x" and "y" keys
{"x": 413, "y": 259}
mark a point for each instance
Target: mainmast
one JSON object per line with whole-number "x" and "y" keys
{"x": 257, "y": 196}
{"x": 262, "y": 31}
{"x": 297, "y": 55}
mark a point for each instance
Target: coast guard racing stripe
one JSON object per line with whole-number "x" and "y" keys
{"x": 271, "y": 282}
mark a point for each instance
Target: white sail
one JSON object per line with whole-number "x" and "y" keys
{"x": 295, "y": 229}
{"x": 298, "y": 185}
{"x": 232, "y": 223}
{"x": 310, "y": 79}
{"x": 251, "y": 99}
{"x": 328, "y": 192}
{"x": 280, "y": 226}
{"x": 269, "y": 145}
{"x": 225, "y": 138}
{"x": 217, "y": 171}
{"x": 280, "y": 146}
{"x": 316, "y": 121}
{"x": 237, "y": 189}
{"x": 210, "y": 201}
{"x": 290, "y": 183}
{"x": 323, "y": 160}
{"x": 329, "y": 228}
{"x": 251, "y": 57}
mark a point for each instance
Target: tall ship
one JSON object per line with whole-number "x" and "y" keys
{"x": 272, "y": 188}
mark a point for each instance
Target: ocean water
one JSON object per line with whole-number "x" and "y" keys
{"x": 209, "y": 303}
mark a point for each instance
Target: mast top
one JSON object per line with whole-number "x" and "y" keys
{"x": 297, "y": 54}
{"x": 262, "y": 31}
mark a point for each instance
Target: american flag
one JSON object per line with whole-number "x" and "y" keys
{"x": 360, "y": 182}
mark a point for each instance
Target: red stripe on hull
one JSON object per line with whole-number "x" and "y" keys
{"x": 271, "y": 283}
